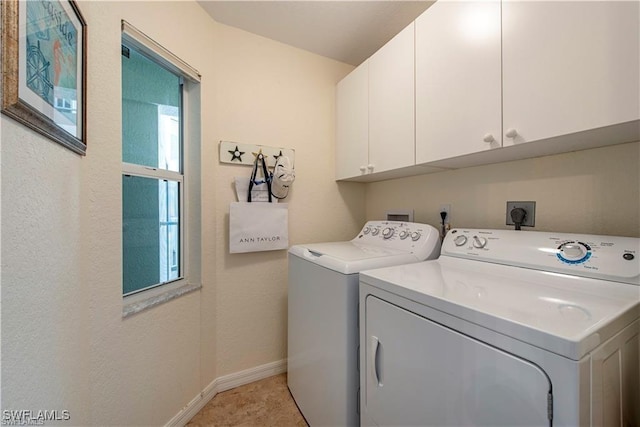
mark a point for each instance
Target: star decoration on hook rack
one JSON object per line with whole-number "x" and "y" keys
{"x": 236, "y": 154}
{"x": 259, "y": 155}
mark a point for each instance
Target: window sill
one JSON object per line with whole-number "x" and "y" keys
{"x": 129, "y": 309}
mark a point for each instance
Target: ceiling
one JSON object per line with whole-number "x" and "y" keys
{"x": 347, "y": 31}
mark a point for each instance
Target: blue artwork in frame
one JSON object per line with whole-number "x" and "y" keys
{"x": 52, "y": 50}
{"x": 44, "y": 42}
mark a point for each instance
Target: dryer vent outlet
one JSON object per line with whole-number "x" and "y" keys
{"x": 529, "y": 208}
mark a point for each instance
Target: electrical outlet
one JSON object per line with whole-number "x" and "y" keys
{"x": 529, "y": 207}
{"x": 447, "y": 209}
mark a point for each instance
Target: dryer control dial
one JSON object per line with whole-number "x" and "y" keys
{"x": 479, "y": 242}
{"x": 366, "y": 230}
{"x": 375, "y": 231}
{"x": 404, "y": 234}
{"x": 460, "y": 240}
{"x": 574, "y": 252}
{"x": 387, "y": 232}
{"x": 415, "y": 236}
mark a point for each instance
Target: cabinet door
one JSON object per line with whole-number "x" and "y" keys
{"x": 458, "y": 80}
{"x": 352, "y": 123}
{"x": 569, "y": 66}
{"x": 391, "y": 104}
{"x": 420, "y": 373}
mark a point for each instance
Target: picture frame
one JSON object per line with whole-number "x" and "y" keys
{"x": 44, "y": 51}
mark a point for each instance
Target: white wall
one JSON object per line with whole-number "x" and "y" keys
{"x": 593, "y": 191}
{"x": 64, "y": 342}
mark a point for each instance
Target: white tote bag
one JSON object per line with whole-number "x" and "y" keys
{"x": 255, "y": 227}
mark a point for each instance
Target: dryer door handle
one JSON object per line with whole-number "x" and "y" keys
{"x": 376, "y": 360}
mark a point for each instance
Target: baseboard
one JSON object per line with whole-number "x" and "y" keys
{"x": 197, "y": 403}
{"x": 247, "y": 376}
{"x": 224, "y": 383}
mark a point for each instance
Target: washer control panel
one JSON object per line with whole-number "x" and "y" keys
{"x": 406, "y": 236}
{"x": 605, "y": 257}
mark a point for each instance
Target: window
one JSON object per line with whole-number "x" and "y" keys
{"x": 154, "y": 170}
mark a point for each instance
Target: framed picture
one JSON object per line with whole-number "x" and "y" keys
{"x": 44, "y": 45}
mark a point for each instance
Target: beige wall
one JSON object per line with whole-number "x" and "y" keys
{"x": 45, "y": 310}
{"x": 64, "y": 342}
{"x": 145, "y": 368}
{"x": 273, "y": 94}
{"x": 592, "y": 191}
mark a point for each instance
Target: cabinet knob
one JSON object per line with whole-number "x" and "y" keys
{"x": 370, "y": 166}
{"x": 511, "y": 133}
{"x": 488, "y": 138}
{"x": 363, "y": 168}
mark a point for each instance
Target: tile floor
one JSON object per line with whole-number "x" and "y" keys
{"x": 263, "y": 403}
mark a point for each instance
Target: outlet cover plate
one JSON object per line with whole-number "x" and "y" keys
{"x": 445, "y": 208}
{"x": 529, "y": 207}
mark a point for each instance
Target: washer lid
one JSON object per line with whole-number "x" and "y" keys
{"x": 564, "y": 314}
{"x": 351, "y": 257}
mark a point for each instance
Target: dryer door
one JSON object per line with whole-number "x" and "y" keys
{"x": 418, "y": 372}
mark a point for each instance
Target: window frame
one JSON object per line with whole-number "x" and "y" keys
{"x": 187, "y": 177}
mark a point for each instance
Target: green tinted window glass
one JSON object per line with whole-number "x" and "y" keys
{"x": 151, "y": 105}
{"x": 150, "y": 232}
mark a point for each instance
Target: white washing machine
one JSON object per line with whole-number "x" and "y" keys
{"x": 323, "y": 313}
{"x": 505, "y": 328}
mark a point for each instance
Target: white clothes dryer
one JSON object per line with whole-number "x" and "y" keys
{"x": 323, "y": 313}
{"x": 505, "y": 328}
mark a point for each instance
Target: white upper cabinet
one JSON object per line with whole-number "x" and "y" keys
{"x": 352, "y": 124}
{"x": 483, "y": 81}
{"x": 391, "y": 104}
{"x": 569, "y": 67}
{"x": 458, "y": 79}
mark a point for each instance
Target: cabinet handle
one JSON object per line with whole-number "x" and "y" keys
{"x": 511, "y": 133}
{"x": 370, "y": 166}
{"x": 363, "y": 169}
{"x": 488, "y": 138}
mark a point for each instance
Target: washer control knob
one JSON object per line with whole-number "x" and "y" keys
{"x": 479, "y": 242}
{"x": 460, "y": 240}
{"x": 366, "y": 230}
{"x": 573, "y": 250}
{"x": 387, "y": 232}
{"x": 415, "y": 236}
{"x": 404, "y": 234}
{"x": 375, "y": 231}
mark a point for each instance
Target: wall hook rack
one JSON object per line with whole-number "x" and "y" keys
{"x": 238, "y": 153}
